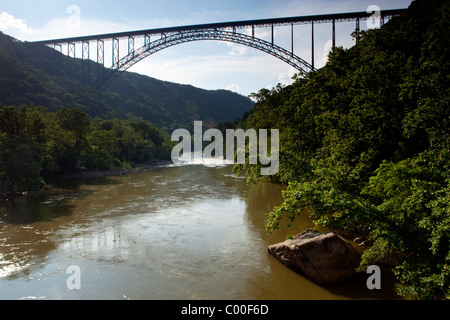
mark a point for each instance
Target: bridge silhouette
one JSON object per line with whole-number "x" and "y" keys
{"x": 156, "y": 40}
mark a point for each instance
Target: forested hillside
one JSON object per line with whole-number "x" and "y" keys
{"x": 37, "y": 145}
{"x": 365, "y": 144}
{"x": 38, "y": 75}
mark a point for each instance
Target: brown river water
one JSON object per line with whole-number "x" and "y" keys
{"x": 173, "y": 232}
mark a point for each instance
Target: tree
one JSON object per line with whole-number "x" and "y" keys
{"x": 365, "y": 145}
{"x": 75, "y": 124}
{"x": 20, "y": 150}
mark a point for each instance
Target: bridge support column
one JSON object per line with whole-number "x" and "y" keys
{"x": 147, "y": 40}
{"x": 292, "y": 39}
{"x": 115, "y": 53}
{"x": 334, "y": 35}
{"x": 272, "y": 36}
{"x": 100, "y": 59}
{"x": 71, "y": 54}
{"x": 312, "y": 44}
{"x": 58, "y": 48}
{"x": 357, "y": 30}
{"x": 85, "y": 67}
{"x": 131, "y": 46}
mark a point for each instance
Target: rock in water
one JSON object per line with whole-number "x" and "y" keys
{"x": 322, "y": 258}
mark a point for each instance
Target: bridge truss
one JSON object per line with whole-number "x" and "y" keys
{"x": 155, "y": 40}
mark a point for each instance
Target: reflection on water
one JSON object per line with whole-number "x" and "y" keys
{"x": 179, "y": 232}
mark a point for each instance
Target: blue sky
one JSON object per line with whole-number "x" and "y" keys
{"x": 209, "y": 65}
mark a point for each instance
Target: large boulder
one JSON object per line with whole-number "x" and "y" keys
{"x": 322, "y": 258}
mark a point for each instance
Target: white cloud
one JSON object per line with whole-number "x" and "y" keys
{"x": 326, "y": 50}
{"x": 70, "y": 27}
{"x": 12, "y": 25}
{"x": 195, "y": 68}
{"x": 237, "y": 50}
{"x": 286, "y": 77}
{"x": 233, "y": 87}
{"x": 247, "y": 74}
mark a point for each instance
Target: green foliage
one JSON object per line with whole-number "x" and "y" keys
{"x": 124, "y": 141}
{"x": 365, "y": 145}
{"x": 36, "y": 145}
{"x": 20, "y": 165}
{"x": 21, "y": 154}
{"x": 412, "y": 215}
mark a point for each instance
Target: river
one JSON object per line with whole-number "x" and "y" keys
{"x": 172, "y": 232}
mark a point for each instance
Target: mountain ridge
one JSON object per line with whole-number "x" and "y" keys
{"x": 33, "y": 74}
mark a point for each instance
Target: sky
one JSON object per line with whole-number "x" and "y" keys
{"x": 206, "y": 64}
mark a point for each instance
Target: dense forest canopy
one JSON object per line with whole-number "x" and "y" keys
{"x": 365, "y": 144}
{"x": 37, "y": 145}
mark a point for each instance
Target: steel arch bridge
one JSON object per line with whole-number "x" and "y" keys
{"x": 227, "y": 31}
{"x": 219, "y": 35}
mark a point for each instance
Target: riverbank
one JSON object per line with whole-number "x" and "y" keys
{"x": 10, "y": 196}
{"x": 110, "y": 173}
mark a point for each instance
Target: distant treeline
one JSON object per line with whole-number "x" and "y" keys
{"x": 365, "y": 146}
{"x": 37, "y": 145}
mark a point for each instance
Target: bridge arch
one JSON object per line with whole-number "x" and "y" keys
{"x": 181, "y": 37}
{"x": 172, "y": 36}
